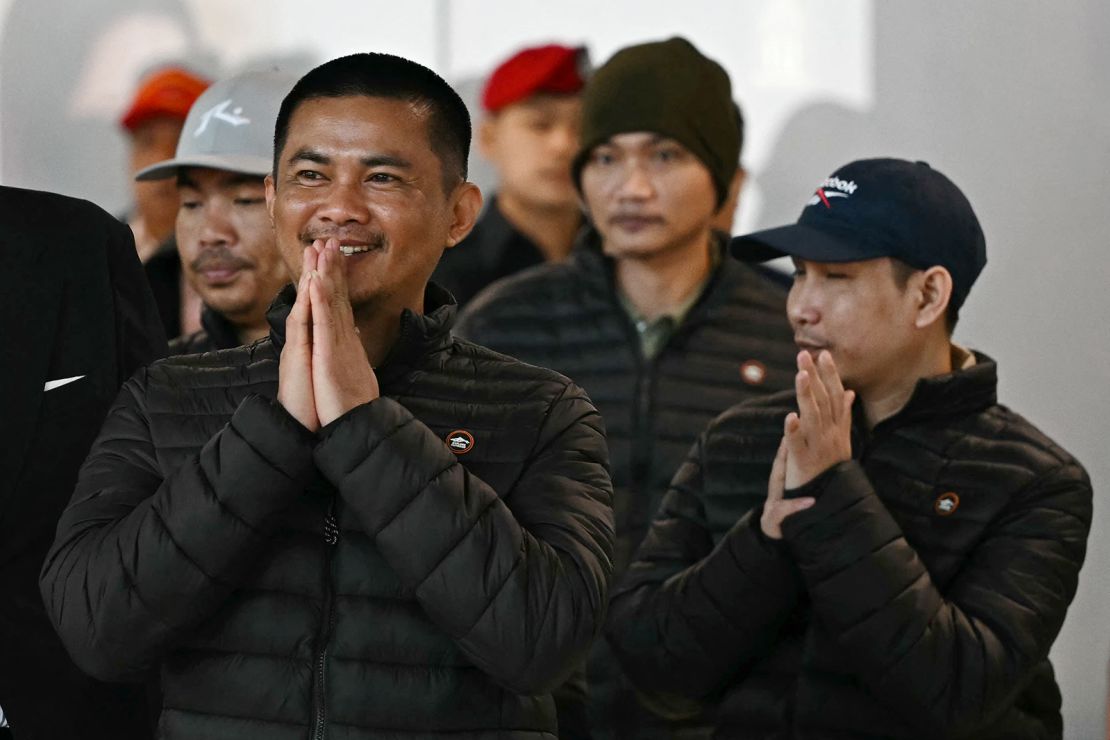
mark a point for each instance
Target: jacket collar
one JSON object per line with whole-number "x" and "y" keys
{"x": 958, "y": 393}
{"x": 221, "y": 332}
{"x": 420, "y": 335}
{"x": 599, "y": 272}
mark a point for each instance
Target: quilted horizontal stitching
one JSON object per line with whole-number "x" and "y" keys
{"x": 454, "y": 546}
{"x": 419, "y": 490}
{"x": 185, "y": 554}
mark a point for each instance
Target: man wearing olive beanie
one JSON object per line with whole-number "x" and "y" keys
{"x": 650, "y": 315}
{"x": 666, "y": 88}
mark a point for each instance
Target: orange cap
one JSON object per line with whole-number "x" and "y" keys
{"x": 167, "y": 92}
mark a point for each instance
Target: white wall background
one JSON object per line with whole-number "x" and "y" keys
{"x": 1011, "y": 99}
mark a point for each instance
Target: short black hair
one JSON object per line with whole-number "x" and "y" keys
{"x": 376, "y": 75}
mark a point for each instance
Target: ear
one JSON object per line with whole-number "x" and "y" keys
{"x": 738, "y": 180}
{"x": 934, "y": 291}
{"x": 487, "y": 136}
{"x": 268, "y": 182}
{"x": 467, "y": 206}
{"x": 722, "y": 219}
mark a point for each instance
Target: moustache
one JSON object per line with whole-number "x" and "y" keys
{"x": 372, "y": 239}
{"x": 219, "y": 259}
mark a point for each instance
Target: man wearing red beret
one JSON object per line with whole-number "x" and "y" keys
{"x": 532, "y": 104}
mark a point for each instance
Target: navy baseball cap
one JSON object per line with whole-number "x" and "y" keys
{"x": 875, "y": 208}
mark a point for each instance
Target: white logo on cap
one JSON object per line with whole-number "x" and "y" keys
{"x": 220, "y": 112}
{"x": 832, "y": 187}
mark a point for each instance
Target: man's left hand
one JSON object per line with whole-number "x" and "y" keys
{"x": 341, "y": 374}
{"x": 819, "y": 436}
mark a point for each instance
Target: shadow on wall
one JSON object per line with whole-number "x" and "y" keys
{"x": 67, "y": 70}
{"x": 815, "y": 141}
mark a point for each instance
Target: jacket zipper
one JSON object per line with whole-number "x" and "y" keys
{"x": 327, "y": 622}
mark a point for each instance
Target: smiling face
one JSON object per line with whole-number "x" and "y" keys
{"x": 648, "y": 194}
{"x": 860, "y": 313}
{"x": 226, "y": 243}
{"x": 362, "y": 170}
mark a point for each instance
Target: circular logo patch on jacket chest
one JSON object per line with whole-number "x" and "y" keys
{"x": 460, "y": 441}
{"x": 753, "y": 372}
{"x": 946, "y": 503}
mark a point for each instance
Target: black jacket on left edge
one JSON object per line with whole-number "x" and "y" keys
{"x": 430, "y": 564}
{"x": 74, "y": 307}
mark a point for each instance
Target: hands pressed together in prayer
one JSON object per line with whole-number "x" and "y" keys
{"x": 324, "y": 371}
{"x": 815, "y": 438}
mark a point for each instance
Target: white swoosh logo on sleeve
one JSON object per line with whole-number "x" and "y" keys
{"x": 52, "y": 384}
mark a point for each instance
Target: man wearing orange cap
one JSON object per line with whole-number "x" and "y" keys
{"x": 530, "y": 135}
{"x": 153, "y": 124}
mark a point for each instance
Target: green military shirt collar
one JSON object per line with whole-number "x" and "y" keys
{"x": 655, "y": 333}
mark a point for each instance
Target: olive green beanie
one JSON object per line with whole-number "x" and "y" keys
{"x": 668, "y": 88}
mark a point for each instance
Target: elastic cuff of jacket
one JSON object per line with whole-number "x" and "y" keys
{"x": 347, "y": 441}
{"x": 762, "y": 560}
{"x": 271, "y": 429}
{"x": 833, "y": 489}
{"x": 747, "y": 539}
{"x": 819, "y": 488}
{"x": 328, "y": 430}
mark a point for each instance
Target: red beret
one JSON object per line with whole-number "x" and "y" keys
{"x": 552, "y": 69}
{"x": 168, "y": 92}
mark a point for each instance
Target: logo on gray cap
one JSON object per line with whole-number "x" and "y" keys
{"x": 230, "y": 127}
{"x": 220, "y": 113}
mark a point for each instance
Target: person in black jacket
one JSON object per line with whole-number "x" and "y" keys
{"x": 224, "y": 236}
{"x": 650, "y": 315}
{"x": 76, "y": 320}
{"x": 361, "y": 526}
{"x": 886, "y": 551}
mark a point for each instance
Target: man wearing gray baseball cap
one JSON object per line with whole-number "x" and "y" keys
{"x": 224, "y": 236}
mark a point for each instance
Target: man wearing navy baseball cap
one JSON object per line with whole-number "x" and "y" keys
{"x": 885, "y": 551}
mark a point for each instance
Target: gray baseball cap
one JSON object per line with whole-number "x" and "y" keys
{"x": 230, "y": 127}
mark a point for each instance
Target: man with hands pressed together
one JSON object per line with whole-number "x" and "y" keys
{"x": 886, "y": 551}
{"x": 361, "y": 526}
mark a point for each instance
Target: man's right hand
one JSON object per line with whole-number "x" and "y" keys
{"x": 295, "y": 369}
{"x": 777, "y": 508}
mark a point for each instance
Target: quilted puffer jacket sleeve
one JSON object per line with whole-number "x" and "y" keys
{"x": 947, "y": 662}
{"x": 520, "y": 582}
{"x": 688, "y": 616}
{"x": 138, "y": 559}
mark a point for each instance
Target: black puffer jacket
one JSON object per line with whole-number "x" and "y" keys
{"x": 429, "y": 566}
{"x": 734, "y": 344}
{"x": 918, "y": 598}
